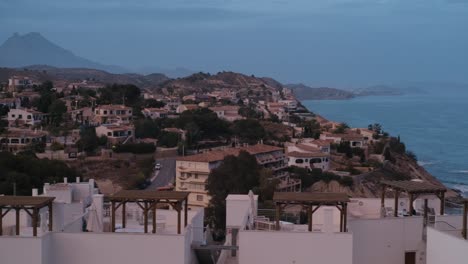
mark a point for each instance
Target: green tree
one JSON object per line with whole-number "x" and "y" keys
{"x": 341, "y": 128}
{"x": 56, "y": 111}
{"x": 248, "y": 130}
{"x": 147, "y": 128}
{"x": 88, "y": 141}
{"x": 168, "y": 139}
{"x": 235, "y": 175}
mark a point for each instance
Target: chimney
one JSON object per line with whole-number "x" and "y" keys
{"x": 77, "y": 179}
{"x": 65, "y": 180}
{"x": 91, "y": 186}
{"x": 35, "y": 192}
{"x": 328, "y": 220}
{"x": 46, "y": 186}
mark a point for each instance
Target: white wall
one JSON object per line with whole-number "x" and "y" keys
{"x": 386, "y": 239}
{"x": 18, "y": 250}
{"x": 116, "y": 248}
{"x": 445, "y": 248}
{"x": 295, "y": 247}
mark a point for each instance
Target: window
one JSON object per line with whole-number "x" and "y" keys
{"x": 129, "y": 133}
{"x": 196, "y": 176}
{"x": 200, "y": 198}
{"x": 29, "y": 116}
{"x": 105, "y": 112}
{"x": 12, "y": 115}
{"x": 299, "y": 161}
{"x": 109, "y": 133}
{"x": 20, "y": 116}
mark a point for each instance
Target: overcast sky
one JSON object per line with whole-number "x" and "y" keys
{"x": 344, "y": 43}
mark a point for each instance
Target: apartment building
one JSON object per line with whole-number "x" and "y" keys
{"x": 192, "y": 171}
{"x": 15, "y": 139}
{"x": 106, "y": 114}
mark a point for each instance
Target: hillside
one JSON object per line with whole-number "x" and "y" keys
{"x": 58, "y": 75}
{"x": 32, "y": 48}
{"x": 304, "y": 92}
{"x": 378, "y": 90}
{"x": 205, "y": 82}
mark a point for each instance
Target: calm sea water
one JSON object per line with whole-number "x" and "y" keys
{"x": 432, "y": 125}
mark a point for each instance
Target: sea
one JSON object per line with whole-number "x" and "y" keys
{"x": 433, "y": 124}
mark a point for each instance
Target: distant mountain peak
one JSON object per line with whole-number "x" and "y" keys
{"x": 34, "y": 49}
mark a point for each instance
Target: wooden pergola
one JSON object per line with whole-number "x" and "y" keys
{"x": 147, "y": 201}
{"x": 413, "y": 189}
{"x": 312, "y": 201}
{"x": 30, "y": 204}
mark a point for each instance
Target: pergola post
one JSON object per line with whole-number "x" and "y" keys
{"x": 425, "y": 213}
{"x": 341, "y": 217}
{"x": 186, "y": 212}
{"x": 154, "y": 216}
{"x": 17, "y": 221}
{"x": 113, "y": 216}
{"x": 145, "y": 216}
{"x": 277, "y": 216}
{"x": 465, "y": 220}
{"x": 178, "y": 218}
{"x": 50, "y": 216}
{"x": 124, "y": 215}
{"x": 345, "y": 217}
{"x": 382, "y": 200}
{"x": 442, "y": 203}
{"x": 309, "y": 217}
{"x": 411, "y": 199}
{"x": 34, "y": 221}
{"x": 1, "y": 221}
{"x": 395, "y": 213}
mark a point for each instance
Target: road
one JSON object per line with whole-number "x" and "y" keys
{"x": 164, "y": 176}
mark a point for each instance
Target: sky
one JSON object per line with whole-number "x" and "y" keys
{"x": 340, "y": 43}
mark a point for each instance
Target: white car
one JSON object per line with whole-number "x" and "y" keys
{"x": 158, "y": 166}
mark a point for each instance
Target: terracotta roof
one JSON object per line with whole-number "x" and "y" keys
{"x": 307, "y": 148}
{"x": 218, "y": 155}
{"x": 122, "y": 107}
{"x": 224, "y": 108}
{"x": 322, "y": 142}
{"x": 23, "y": 133}
{"x": 117, "y": 127}
{"x": 306, "y": 154}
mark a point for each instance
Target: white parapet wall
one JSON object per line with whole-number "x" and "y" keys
{"x": 386, "y": 240}
{"x": 446, "y": 248}
{"x": 276, "y": 247}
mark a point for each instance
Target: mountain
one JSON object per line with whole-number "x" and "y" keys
{"x": 68, "y": 75}
{"x": 378, "y": 90}
{"x": 33, "y": 49}
{"x": 178, "y": 72}
{"x": 304, "y": 92}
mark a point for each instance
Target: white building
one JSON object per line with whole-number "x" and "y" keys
{"x": 368, "y": 238}
{"x": 227, "y": 112}
{"x": 15, "y": 139}
{"x": 155, "y": 113}
{"x": 108, "y": 114}
{"x": 23, "y": 116}
{"x": 77, "y": 207}
{"x": 192, "y": 171}
{"x": 309, "y": 160}
{"x": 116, "y": 133}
